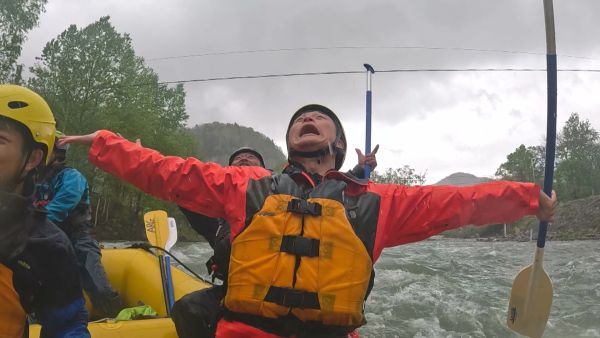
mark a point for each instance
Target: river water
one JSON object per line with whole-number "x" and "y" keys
{"x": 460, "y": 288}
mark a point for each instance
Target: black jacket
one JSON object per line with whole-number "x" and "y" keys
{"x": 44, "y": 265}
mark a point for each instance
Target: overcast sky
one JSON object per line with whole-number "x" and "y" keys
{"x": 435, "y": 122}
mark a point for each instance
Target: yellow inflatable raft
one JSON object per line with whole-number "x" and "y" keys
{"x": 135, "y": 274}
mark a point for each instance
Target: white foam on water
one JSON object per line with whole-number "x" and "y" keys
{"x": 592, "y": 333}
{"x": 460, "y": 288}
{"x": 492, "y": 253}
{"x": 423, "y": 328}
{"x": 115, "y": 244}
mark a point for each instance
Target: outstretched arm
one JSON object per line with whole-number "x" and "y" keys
{"x": 190, "y": 183}
{"x": 410, "y": 214}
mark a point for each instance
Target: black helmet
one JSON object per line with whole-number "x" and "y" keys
{"x": 247, "y": 150}
{"x": 340, "y": 153}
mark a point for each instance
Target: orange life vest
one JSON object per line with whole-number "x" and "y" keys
{"x": 12, "y": 314}
{"x": 301, "y": 257}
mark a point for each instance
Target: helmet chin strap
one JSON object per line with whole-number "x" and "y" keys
{"x": 320, "y": 153}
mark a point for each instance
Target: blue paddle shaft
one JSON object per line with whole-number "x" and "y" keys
{"x": 370, "y": 71}
{"x": 550, "y": 140}
{"x": 170, "y": 292}
{"x": 368, "y": 133}
{"x": 161, "y": 262}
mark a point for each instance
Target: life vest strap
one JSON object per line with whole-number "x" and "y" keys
{"x": 293, "y": 298}
{"x": 300, "y": 206}
{"x": 300, "y": 246}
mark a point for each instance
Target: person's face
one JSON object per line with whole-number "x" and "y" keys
{"x": 245, "y": 160}
{"x": 12, "y": 158}
{"x": 311, "y": 131}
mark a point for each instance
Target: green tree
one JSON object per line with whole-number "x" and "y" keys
{"x": 525, "y": 164}
{"x": 595, "y": 169}
{"x": 17, "y": 17}
{"x": 404, "y": 176}
{"x": 93, "y": 80}
{"x": 578, "y": 156}
{"x": 577, "y": 170}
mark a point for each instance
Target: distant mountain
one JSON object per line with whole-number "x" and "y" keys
{"x": 462, "y": 179}
{"x": 217, "y": 141}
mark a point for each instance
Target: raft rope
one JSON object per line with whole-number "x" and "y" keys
{"x": 148, "y": 246}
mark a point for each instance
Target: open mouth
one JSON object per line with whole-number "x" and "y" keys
{"x": 309, "y": 129}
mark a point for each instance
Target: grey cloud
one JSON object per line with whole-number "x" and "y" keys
{"x": 170, "y": 28}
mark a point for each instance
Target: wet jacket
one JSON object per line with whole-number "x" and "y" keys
{"x": 43, "y": 276}
{"x": 402, "y": 214}
{"x": 216, "y": 232}
{"x": 64, "y": 192}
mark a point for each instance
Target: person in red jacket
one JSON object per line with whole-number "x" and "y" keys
{"x": 303, "y": 242}
{"x": 197, "y": 314}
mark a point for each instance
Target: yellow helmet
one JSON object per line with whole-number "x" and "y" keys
{"x": 27, "y": 107}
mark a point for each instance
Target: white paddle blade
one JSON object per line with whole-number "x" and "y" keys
{"x": 172, "y": 234}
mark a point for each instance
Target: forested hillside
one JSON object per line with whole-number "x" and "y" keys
{"x": 216, "y": 141}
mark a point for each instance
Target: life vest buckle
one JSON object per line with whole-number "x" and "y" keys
{"x": 293, "y": 298}
{"x": 300, "y": 206}
{"x": 300, "y": 246}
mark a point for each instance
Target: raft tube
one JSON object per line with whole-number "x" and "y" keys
{"x": 135, "y": 274}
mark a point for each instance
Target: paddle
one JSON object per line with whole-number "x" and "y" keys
{"x": 531, "y": 295}
{"x": 172, "y": 234}
{"x": 170, "y": 242}
{"x": 157, "y": 230}
{"x": 370, "y": 71}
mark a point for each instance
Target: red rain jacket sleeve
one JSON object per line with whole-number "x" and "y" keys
{"x": 411, "y": 214}
{"x": 200, "y": 187}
